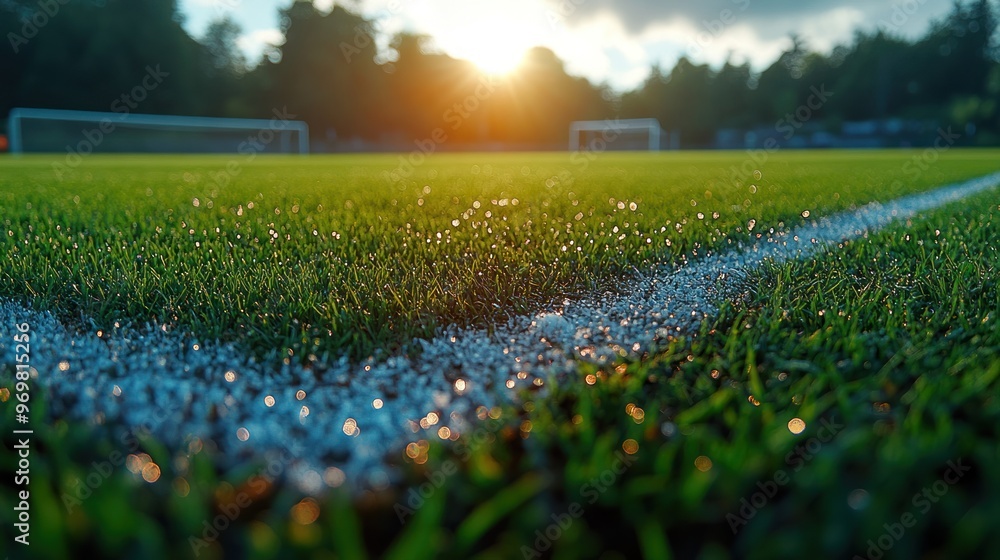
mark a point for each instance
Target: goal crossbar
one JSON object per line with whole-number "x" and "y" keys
{"x": 174, "y": 122}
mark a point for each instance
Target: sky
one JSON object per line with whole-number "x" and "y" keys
{"x": 607, "y": 41}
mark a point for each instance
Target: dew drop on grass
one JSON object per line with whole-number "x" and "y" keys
{"x": 805, "y": 213}
{"x": 757, "y": 174}
{"x": 630, "y": 446}
{"x": 796, "y": 426}
{"x": 151, "y": 472}
{"x": 753, "y": 189}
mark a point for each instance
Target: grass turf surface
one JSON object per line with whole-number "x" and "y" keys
{"x": 330, "y": 255}
{"x": 894, "y": 338}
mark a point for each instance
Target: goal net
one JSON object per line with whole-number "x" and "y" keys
{"x": 85, "y": 132}
{"x": 617, "y": 134}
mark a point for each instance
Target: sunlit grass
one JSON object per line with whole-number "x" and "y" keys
{"x": 322, "y": 256}
{"x": 893, "y": 337}
{"x": 858, "y": 374}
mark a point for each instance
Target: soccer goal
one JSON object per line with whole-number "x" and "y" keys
{"x": 617, "y": 134}
{"x": 85, "y": 132}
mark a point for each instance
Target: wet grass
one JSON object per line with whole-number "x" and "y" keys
{"x": 819, "y": 416}
{"x": 320, "y": 257}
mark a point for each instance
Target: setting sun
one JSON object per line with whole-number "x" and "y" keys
{"x": 493, "y": 37}
{"x": 494, "y": 57}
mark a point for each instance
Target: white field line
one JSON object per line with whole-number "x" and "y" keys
{"x": 178, "y": 388}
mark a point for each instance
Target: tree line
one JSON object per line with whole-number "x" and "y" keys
{"x": 85, "y": 54}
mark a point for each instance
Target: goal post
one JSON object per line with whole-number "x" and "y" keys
{"x": 84, "y": 132}
{"x": 615, "y": 133}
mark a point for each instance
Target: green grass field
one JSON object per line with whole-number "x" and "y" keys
{"x": 326, "y": 256}
{"x": 829, "y": 412}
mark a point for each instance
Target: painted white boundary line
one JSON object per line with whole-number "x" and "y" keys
{"x": 183, "y": 389}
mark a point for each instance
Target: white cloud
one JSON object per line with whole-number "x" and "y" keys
{"x": 604, "y": 40}
{"x": 255, "y": 42}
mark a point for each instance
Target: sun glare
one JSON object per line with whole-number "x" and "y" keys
{"x": 494, "y": 37}
{"x": 494, "y": 56}
{"x": 493, "y": 50}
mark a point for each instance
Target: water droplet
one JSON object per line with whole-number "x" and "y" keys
{"x": 350, "y": 426}
{"x": 796, "y": 426}
{"x": 630, "y": 446}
